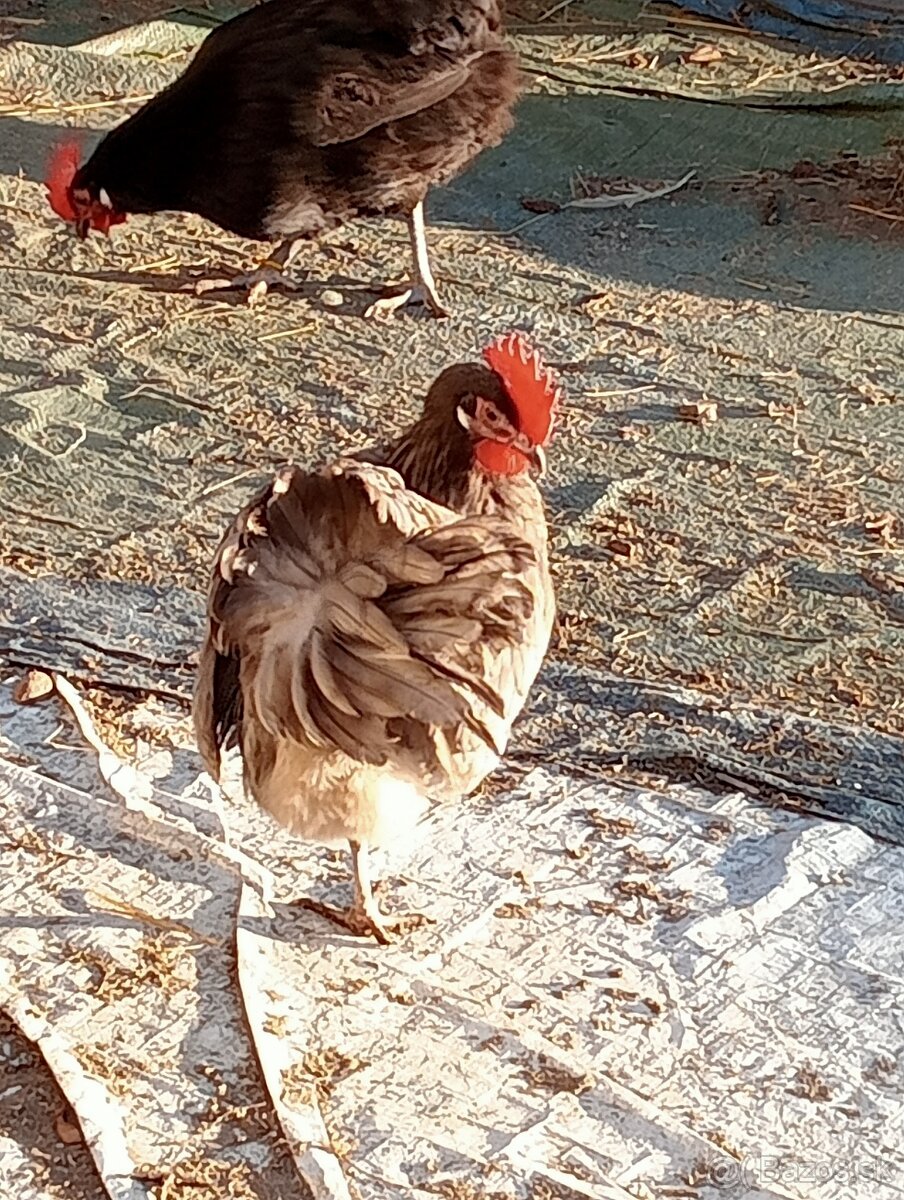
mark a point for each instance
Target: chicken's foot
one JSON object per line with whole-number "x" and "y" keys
{"x": 421, "y": 288}
{"x": 364, "y": 918}
{"x": 269, "y": 273}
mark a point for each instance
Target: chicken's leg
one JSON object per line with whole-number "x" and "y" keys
{"x": 364, "y": 917}
{"x": 268, "y": 273}
{"x": 421, "y": 288}
{"x": 365, "y": 912}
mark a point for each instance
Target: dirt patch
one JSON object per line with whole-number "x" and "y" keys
{"x": 854, "y": 195}
{"x": 34, "y": 1115}
{"x": 161, "y": 962}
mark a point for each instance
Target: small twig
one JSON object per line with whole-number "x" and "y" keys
{"x": 622, "y": 200}
{"x": 593, "y": 394}
{"x": 629, "y": 636}
{"x": 170, "y": 261}
{"x": 279, "y": 334}
{"x": 876, "y": 212}
{"x": 49, "y": 110}
{"x": 222, "y": 483}
{"x": 551, "y": 12}
{"x": 144, "y": 917}
{"x": 629, "y": 199}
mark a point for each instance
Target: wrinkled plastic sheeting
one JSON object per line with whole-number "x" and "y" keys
{"x": 623, "y": 993}
{"x": 860, "y": 28}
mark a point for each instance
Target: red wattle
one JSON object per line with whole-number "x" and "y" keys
{"x": 500, "y": 459}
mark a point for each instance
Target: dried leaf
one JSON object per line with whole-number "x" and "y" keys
{"x": 705, "y": 54}
{"x": 33, "y": 687}
{"x": 67, "y": 1131}
{"x": 701, "y": 412}
{"x": 536, "y": 204}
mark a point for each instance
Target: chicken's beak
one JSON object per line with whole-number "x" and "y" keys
{"x": 82, "y": 226}
{"x": 538, "y": 460}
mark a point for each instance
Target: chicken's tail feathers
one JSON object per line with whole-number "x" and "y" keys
{"x": 345, "y": 626}
{"x": 216, "y": 704}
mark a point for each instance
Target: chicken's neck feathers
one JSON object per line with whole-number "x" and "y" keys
{"x": 439, "y": 463}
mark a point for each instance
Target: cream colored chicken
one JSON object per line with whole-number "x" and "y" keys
{"x": 374, "y": 630}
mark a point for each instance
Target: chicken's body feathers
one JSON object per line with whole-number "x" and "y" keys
{"x": 299, "y": 115}
{"x": 366, "y": 643}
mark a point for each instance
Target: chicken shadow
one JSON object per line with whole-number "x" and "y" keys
{"x": 350, "y": 296}
{"x": 888, "y": 599}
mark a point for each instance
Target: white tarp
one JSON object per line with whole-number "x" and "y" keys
{"x": 625, "y": 993}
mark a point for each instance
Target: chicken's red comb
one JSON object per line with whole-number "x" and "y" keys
{"x": 531, "y": 385}
{"x": 64, "y": 162}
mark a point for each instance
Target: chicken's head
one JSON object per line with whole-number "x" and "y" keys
{"x": 74, "y": 198}
{"x": 508, "y": 406}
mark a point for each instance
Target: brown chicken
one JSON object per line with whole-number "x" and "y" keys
{"x": 374, "y": 630}
{"x": 298, "y": 115}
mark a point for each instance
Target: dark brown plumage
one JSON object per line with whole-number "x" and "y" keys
{"x": 369, "y": 644}
{"x": 299, "y": 115}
